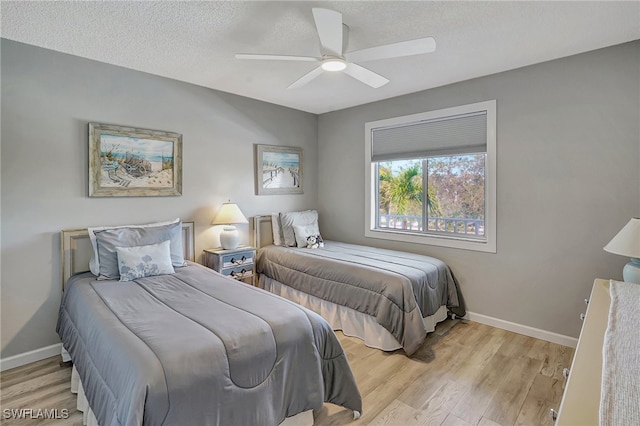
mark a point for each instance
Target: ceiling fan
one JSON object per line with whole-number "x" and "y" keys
{"x": 333, "y": 39}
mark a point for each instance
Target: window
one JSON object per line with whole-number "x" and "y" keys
{"x": 431, "y": 178}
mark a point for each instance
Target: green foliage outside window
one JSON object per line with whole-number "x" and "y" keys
{"x": 455, "y": 190}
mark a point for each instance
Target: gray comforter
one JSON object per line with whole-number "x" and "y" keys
{"x": 396, "y": 288}
{"x": 197, "y": 348}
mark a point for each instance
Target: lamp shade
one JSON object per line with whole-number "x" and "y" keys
{"x": 627, "y": 241}
{"x": 228, "y": 214}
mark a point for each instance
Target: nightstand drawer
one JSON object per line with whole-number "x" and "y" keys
{"x": 239, "y": 272}
{"x": 236, "y": 259}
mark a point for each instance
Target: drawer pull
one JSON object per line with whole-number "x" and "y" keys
{"x": 240, "y": 261}
{"x": 553, "y": 415}
{"x": 586, "y": 301}
{"x": 565, "y": 373}
{"x": 582, "y": 317}
{"x": 241, "y": 274}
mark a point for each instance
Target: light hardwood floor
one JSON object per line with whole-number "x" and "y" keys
{"x": 465, "y": 374}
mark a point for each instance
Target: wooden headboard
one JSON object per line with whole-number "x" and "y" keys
{"x": 77, "y": 249}
{"x": 262, "y": 231}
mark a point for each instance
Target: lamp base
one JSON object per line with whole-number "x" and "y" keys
{"x": 631, "y": 271}
{"x": 229, "y": 238}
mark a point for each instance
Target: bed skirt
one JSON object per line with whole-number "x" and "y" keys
{"x": 351, "y": 322}
{"x": 302, "y": 419}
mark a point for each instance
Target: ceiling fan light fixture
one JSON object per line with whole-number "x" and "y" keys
{"x": 333, "y": 35}
{"x": 334, "y": 64}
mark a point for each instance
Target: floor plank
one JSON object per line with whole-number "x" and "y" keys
{"x": 542, "y": 397}
{"x": 438, "y": 407}
{"x": 507, "y": 401}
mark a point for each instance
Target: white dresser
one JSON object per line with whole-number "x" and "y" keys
{"x": 581, "y": 400}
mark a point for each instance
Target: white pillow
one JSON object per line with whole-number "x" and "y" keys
{"x": 289, "y": 219}
{"x": 308, "y": 236}
{"x": 276, "y": 230}
{"x": 144, "y": 261}
{"x": 128, "y": 235}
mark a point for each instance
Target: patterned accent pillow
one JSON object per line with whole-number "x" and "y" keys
{"x": 315, "y": 241}
{"x": 308, "y": 236}
{"x": 144, "y": 261}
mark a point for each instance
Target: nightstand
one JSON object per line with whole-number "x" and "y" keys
{"x": 237, "y": 263}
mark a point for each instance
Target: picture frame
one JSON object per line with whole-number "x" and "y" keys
{"x": 134, "y": 162}
{"x": 278, "y": 170}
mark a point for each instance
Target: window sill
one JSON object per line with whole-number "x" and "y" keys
{"x": 486, "y": 246}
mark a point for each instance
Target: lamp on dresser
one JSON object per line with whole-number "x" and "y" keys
{"x": 229, "y": 215}
{"x": 627, "y": 243}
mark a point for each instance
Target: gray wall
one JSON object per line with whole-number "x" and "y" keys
{"x": 568, "y": 181}
{"x": 47, "y": 100}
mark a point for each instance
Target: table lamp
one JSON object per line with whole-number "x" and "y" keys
{"x": 228, "y": 215}
{"x": 627, "y": 243}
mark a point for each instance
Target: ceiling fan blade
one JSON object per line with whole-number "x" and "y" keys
{"x": 306, "y": 78}
{"x": 329, "y": 26}
{"x": 276, "y": 57}
{"x": 393, "y": 50}
{"x": 366, "y": 76}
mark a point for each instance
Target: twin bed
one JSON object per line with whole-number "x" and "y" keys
{"x": 157, "y": 339}
{"x": 192, "y": 346}
{"x": 389, "y": 299}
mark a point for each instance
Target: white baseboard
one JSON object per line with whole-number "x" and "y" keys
{"x": 29, "y": 357}
{"x": 523, "y": 329}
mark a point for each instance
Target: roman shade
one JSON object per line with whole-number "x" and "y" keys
{"x": 456, "y": 134}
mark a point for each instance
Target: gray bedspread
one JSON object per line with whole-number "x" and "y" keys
{"x": 197, "y": 348}
{"x": 396, "y": 288}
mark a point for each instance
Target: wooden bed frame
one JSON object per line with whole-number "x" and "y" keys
{"x": 262, "y": 231}
{"x": 77, "y": 249}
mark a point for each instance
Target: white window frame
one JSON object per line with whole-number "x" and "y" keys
{"x": 488, "y": 244}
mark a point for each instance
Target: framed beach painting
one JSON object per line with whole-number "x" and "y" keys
{"x": 131, "y": 162}
{"x": 278, "y": 170}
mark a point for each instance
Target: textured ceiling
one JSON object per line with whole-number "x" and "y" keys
{"x": 196, "y": 41}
